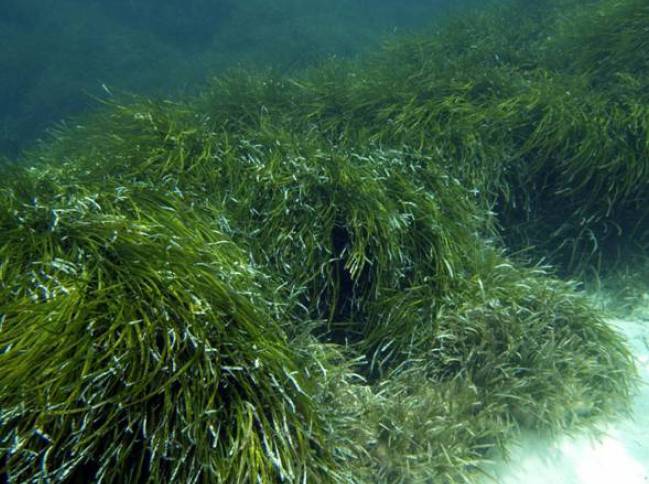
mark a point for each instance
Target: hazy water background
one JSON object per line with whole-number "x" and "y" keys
{"x": 56, "y": 54}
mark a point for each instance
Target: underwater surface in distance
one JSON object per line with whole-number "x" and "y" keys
{"x": 55, "y": 55}
{"x": 297, "y": 255}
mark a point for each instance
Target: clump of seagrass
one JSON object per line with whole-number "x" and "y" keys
{"x": 510, "y": 348}
{"x": 313, "y": 265}
{"x": 433, "y": 299}
{"x": 347, "y": 226}
{"x": 390, "y": 253}
{"x": 136, "y": 344}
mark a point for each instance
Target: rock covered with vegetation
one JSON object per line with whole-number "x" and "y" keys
{"x": 307, "y": 279}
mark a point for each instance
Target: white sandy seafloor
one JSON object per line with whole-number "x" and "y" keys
{"x": 619, "y": 456}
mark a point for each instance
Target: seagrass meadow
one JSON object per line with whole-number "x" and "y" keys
{"x": 331, "y": 277}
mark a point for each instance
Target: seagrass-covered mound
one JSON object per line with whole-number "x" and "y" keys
{"x": 135, "y": 324}
{"x": 301, "y": 279}
{"x": 542, "y": 109}
{"x": 138, "y": 344}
